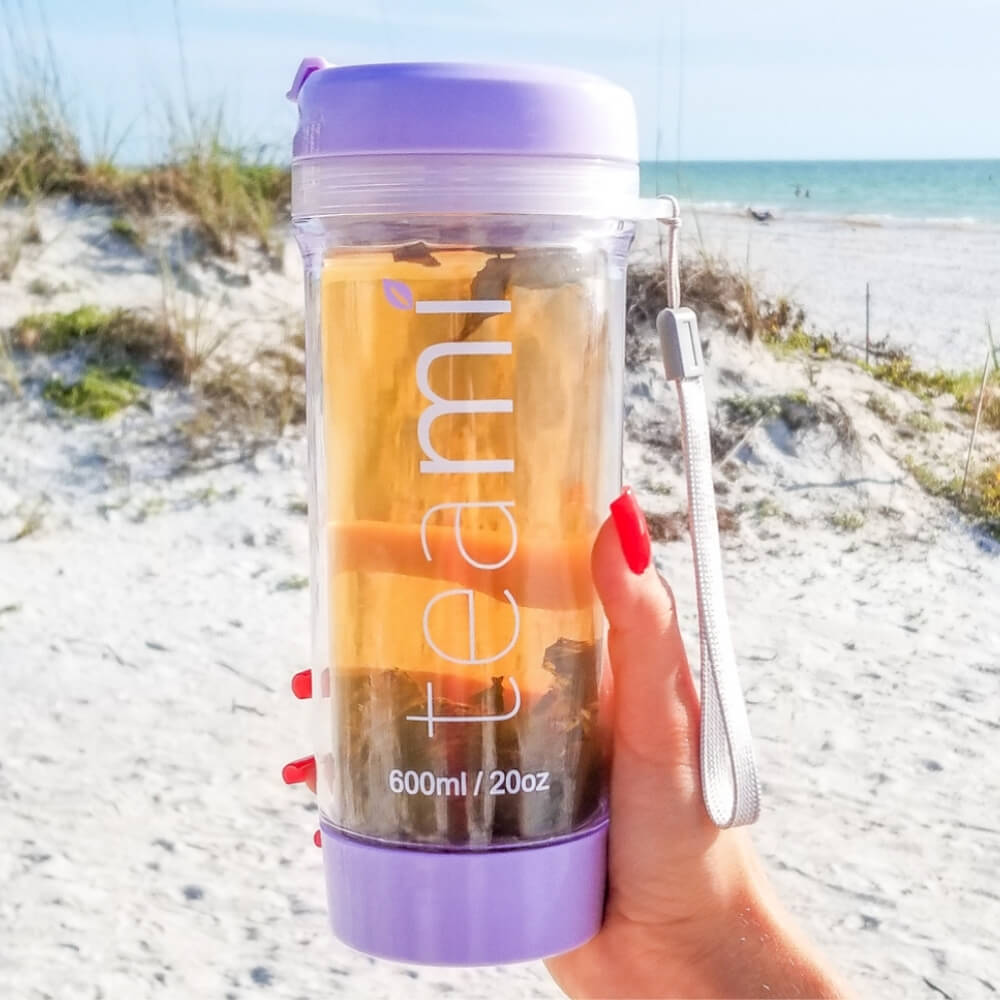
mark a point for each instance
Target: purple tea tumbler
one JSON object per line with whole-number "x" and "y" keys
{"x": 464, "y": 231}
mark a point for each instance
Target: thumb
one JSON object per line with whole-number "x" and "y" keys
{"x": 656, "y": 707}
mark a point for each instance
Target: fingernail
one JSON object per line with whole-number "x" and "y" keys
{"x": 297, "y": 771}
{"x": 302, "y": 684}
{"x": 633, "y": 532}
{"x": 317, "y": 839}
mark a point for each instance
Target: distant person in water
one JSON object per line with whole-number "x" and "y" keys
{"x": 689, "y": 910}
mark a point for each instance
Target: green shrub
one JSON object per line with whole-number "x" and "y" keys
{"x": 98, "y": 394}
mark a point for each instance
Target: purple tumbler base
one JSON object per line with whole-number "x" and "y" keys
{"x": 409, "y": 904}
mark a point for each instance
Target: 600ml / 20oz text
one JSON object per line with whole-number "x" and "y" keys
{"x": 497, "y": 782}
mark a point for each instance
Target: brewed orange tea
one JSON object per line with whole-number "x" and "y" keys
{"x": 464, "y": 636}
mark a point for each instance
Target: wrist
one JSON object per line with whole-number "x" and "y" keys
{"x": 757, "y": 950}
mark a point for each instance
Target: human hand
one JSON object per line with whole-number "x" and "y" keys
{"x": 689, "y": 913}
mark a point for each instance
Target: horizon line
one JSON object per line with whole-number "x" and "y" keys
{"x": 824, "y": 159}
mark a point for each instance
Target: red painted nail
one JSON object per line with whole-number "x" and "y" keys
{"x": 298, "y": 771}
{"x": 317, "y": 839}
{"x": 633, "y": 532}
{"x": 302, "y": 684}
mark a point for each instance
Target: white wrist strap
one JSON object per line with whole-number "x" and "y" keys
{"x": 728, "y": 772}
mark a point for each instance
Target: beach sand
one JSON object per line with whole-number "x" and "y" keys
{"x": 151, "y": 621}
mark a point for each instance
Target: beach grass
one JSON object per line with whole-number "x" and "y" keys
{"x": 712, "y": 285}
{"x": 109, "y": 339}
{"x": 980, "y": 499}
{"x": 883, "y": 407}
{"x": 8, "y": 370}
{"x": 229, "y": 189}
{"x": 250, "y": 401}
{"x": 40, "y": 152}
{"x": 714, "y": 288}
{"x": 847, "y": 520}
{"x": 923, "y": 422}
{"x": 901, "y": 371}
{"x": 12, "y": 246}
{"x": 747, "y": 409}
{"x": 226, "y": 191}
{"x": 32, "y": 520}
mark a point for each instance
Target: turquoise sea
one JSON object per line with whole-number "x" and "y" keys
{"x": 965, "y": 191}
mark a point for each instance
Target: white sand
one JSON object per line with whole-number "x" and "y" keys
{"x": 149, "y": 626}
{"x": 932, "y": 286}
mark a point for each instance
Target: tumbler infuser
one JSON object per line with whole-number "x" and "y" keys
{"x": 464, "y": 231}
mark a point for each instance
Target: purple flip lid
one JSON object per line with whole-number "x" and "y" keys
{"x": 460, "y": 108}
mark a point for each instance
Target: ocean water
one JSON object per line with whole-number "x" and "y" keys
{"x": 947, "y": 191}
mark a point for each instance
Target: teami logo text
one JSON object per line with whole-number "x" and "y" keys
{"x": 399, "y": 295}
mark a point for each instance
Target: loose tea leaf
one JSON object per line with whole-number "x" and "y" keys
{"x": 489, "y": 701}
{"x": 416, "y": 253}
{"x": 573, "y": 664}
{"x": 555, "y": 735}
{"x": 563, "y": 728}
{"x": 526, "y": 269}
{"x": 531, "y": 268}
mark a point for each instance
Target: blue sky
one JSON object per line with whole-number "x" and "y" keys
{"x": 725, "y": 79}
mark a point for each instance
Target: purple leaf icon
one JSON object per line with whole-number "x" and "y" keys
{"x": 397, "y": 294}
